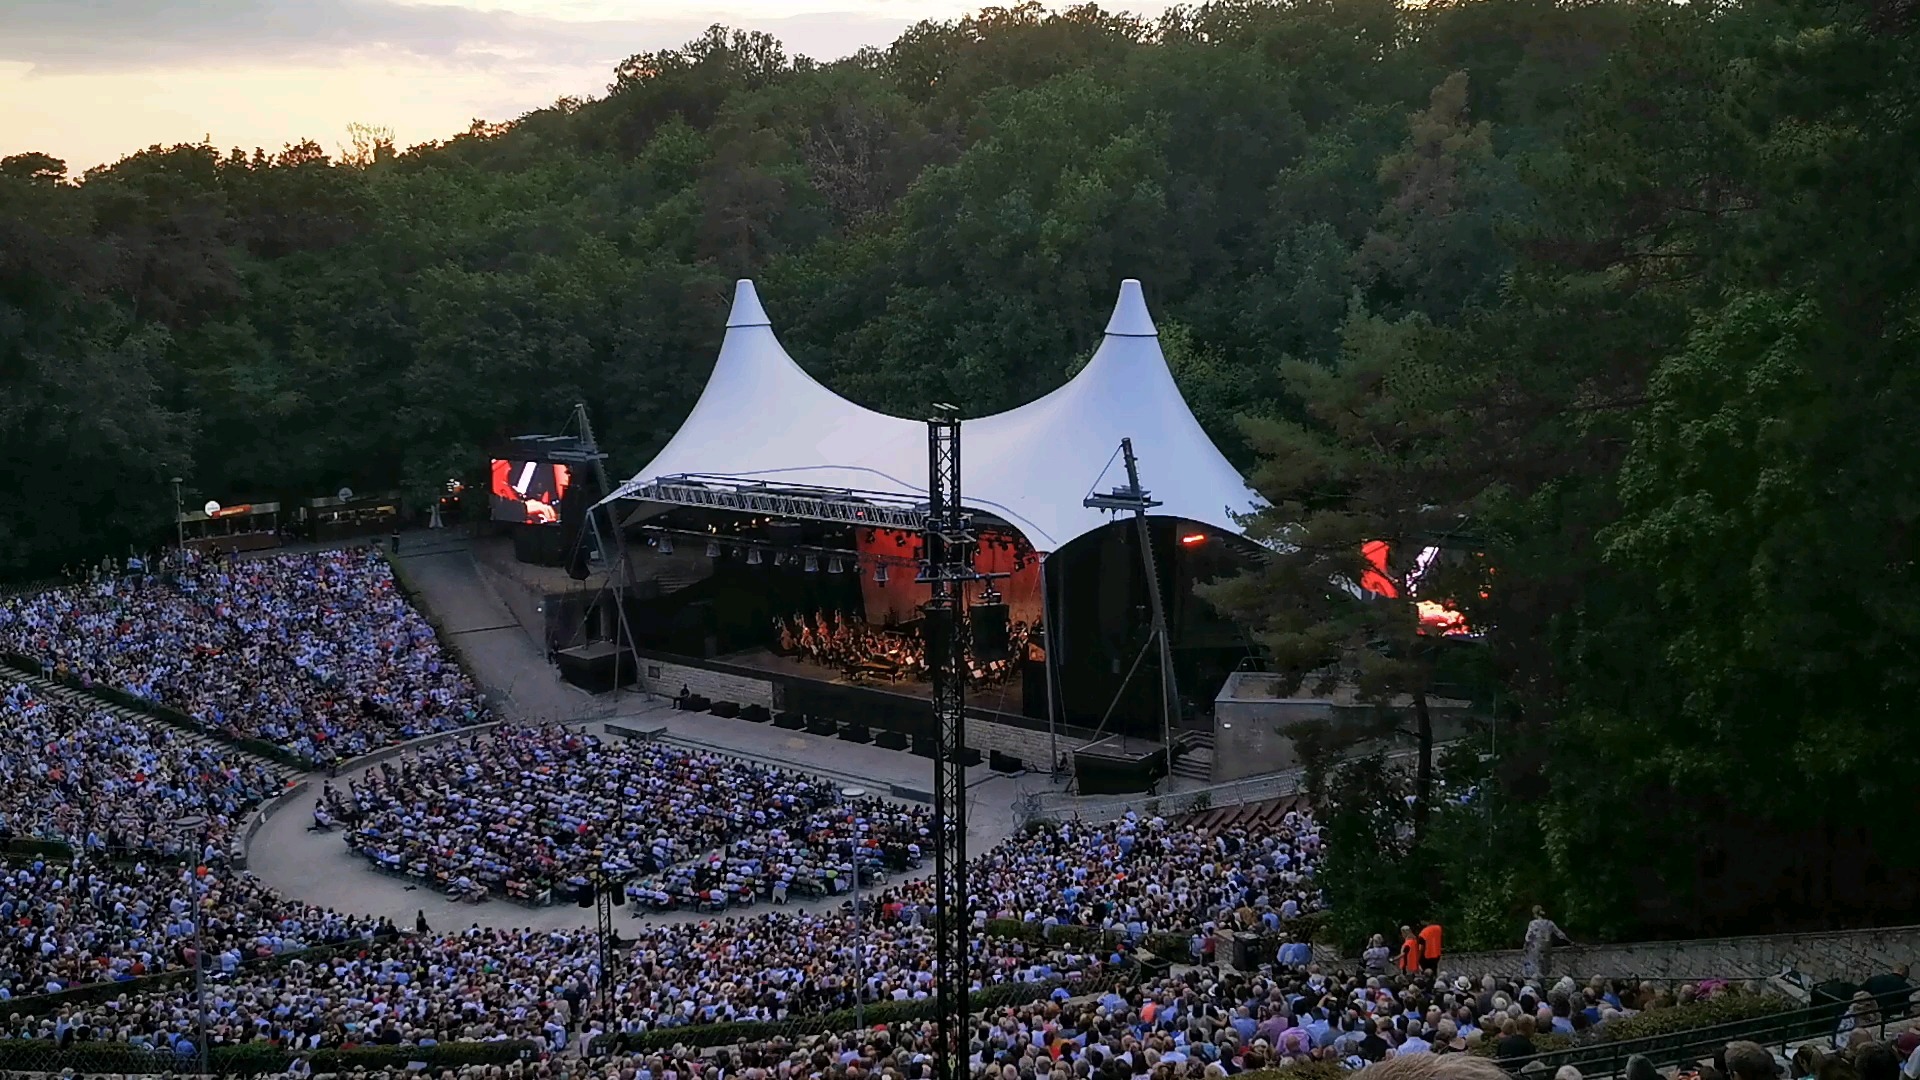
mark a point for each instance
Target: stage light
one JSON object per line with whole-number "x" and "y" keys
{"x": 713, "y": 550}
{"x": 880, "y": 574}
{"x": 666, "y": 545}
{"x": 753, "y": 556}
{"x": 1194, "y": 538}
{"x": 833, "y": 565}
{"x": 779, "y": 558}
{"x": 813, "y": 564}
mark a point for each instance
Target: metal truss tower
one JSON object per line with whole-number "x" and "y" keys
{"x": 949, "y": 563}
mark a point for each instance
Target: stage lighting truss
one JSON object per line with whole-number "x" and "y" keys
{"x": 842, "y": 505}
{"x": 811, "y": 559}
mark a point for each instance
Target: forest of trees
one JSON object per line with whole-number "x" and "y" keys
{"x": 1615, "y": 297}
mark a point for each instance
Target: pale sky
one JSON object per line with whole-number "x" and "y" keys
{"x": 90, "y": 81}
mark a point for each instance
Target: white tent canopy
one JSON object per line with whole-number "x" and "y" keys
{"x": 763, "y": 419}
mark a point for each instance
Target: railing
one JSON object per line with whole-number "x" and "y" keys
{"x": 1061, "y": 806}
{"x": 1820, "y": 955}
{"x": 1777, "y": 1031}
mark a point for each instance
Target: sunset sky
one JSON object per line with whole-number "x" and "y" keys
{"x": 92, "y": 80}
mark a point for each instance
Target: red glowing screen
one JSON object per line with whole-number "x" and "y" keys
{"x": 528, "y": 492}
{"x": 1435, "y": 618}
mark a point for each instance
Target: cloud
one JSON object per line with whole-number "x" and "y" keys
{"x": 67, "y": 37}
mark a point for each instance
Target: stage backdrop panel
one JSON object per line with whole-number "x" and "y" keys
{"x": 898, "y": 601}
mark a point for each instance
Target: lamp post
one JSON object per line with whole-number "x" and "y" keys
{"x": 194, "y": 825}
{"x": 848, "y": 796}
{"x": 179, "y": 526}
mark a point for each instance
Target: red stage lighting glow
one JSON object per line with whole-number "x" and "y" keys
{"x": 1194, "y": 538}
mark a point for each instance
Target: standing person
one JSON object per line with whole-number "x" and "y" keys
{"x": 1541, "y": 933}
{"x": 1430, "y": 949}
{"x": 1409, "y": 960}
{"x": 1377, "y": 955}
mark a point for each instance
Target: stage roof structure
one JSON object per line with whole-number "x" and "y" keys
{"x": 765, "y": 431}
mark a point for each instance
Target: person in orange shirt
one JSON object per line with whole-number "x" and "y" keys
{"x": 1409, "y": 959}
{"x": 1430, "y": 948}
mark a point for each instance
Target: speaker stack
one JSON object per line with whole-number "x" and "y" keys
{"x": 989, "y": 623}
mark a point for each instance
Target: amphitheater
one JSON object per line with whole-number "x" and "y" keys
{"x": 1149, "y": 925}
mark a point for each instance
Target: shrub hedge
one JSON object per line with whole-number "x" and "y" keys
{"x": 249, "y": 1059}
{"x": 1731, "y": 1008}
{"x": 1304, "y": 1070}
{"x": 878, "y": 1014}
{"x": 1725, "y": 1009}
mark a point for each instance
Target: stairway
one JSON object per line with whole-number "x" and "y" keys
{"x": 1194, "y": 761}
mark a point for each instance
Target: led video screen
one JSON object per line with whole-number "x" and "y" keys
{"x": 528, "y": 492}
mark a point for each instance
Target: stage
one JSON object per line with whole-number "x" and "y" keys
{"x": 597, "y": 666}
{"x": 1004, "y": 697}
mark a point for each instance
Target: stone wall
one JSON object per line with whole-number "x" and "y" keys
{"x": 1851, "y": 955}
{"x": 1027, "y": 744}
{"x": 665, "y": 678}
{"x": 1249, "y": 714}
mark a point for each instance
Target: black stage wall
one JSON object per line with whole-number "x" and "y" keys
{"x": 1097, "y": 591}
{"x": 1097, "y": 588}
{"x": 879, "y": 709}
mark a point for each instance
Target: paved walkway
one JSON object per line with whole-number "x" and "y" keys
{"x": 318, "y": 868}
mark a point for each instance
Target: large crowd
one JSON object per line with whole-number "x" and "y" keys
{"x": 319, "y": 653}
{"x": 65, "y": 924}
{"x": 540, "y": 811}
{"x": 1206, "y": 1024}
{"x": 535, "y": 812}
{"x": 105, "y": 781}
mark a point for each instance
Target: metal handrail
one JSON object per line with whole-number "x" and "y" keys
{"x": 1609, "y": 1058}
{"x": 1055, "y": 806}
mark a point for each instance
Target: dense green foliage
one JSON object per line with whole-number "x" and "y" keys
{"x": 1613, "y": 299}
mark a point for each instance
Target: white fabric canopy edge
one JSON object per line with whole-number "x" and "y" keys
{"x": 762, "y": 418}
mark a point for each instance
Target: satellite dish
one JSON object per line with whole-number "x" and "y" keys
{"x": 344, "y": 493}
{"x": 211, "y": 508}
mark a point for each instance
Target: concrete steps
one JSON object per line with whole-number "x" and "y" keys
{"x": 1194, "y": 761}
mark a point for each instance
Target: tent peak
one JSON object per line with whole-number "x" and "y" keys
{"x": 1130, "y": 317}
{"x": 746, "y": 306}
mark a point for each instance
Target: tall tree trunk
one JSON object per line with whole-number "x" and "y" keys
{"x": 1423, "y": 769}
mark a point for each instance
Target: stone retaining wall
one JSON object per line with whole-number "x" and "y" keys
{"x": 238, "y": 853}
{"x": 665, "y": 678}
{"x": 1851, "y": 955}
